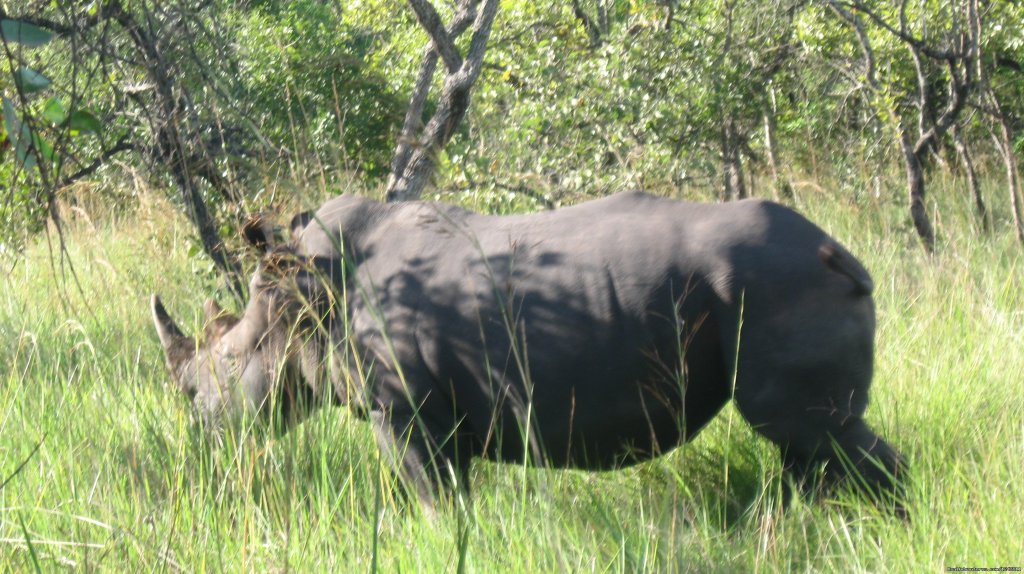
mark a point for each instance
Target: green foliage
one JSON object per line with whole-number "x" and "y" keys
{"x": 28, "y": 145}
{"x": 29, "y": 81}
{"x": 313, "y": 91}
{"x": 24, "y": 33}
{"x": 644, "y": 108}
{"x": 39, "y": 131}
{"x": 305, "y": 77}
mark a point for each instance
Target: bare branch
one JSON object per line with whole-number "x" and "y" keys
{"x": 409, "y": 182}
{"x": 443, "y": 44}
{"x": 478, "y": 45}
{"x": 958, "y": 90}
{"x": 862, "y": 37}
{"x": 424, "y": 79}
{"x": 122, "y": 145}
{"x": 922, "y": 88}
{"x": 902, "y": 34}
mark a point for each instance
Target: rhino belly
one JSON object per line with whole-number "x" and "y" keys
{"x": 614, "y": 406}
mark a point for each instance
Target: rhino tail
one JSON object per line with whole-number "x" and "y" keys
{"x": 840, "y": 261}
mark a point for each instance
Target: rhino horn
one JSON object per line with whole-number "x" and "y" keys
{"x": 176, "y": 345}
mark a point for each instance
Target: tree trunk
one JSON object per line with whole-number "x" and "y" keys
{"x": 781, "y": 189}
{"x": 416, "y": 158}
{"x": 1005, "y": 144}
{"x": 972, "y": 177}
{"x": 407, "y": 138}
{"x": 409, "y": 184}
{"x": 172, "y": 149}
{"x": 915, "y": 192}
{"x": 732, "y": 163}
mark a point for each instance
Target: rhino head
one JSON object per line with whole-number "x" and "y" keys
{"x": 240, "y": 364}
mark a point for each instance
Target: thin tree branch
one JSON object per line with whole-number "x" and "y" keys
{"x": 478, "y": 44}
{"x": 593, "y": 32}
{"x": 443, "y": 44}
{"x": 937, "y": 54}
{"x": 121, "y": 145}
{"x": 414, "y": 115}
{"x": 862, "y": 37}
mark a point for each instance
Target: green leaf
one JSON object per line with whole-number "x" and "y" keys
{"x": 43, "y": 147}
{"x": 29, "y": 80}
{"x": 20, "y": 135}
{"x": 24, "y": 33}
{"x": 54, "y": 112}
{"x": 23, "y": 151}
{"x": 11, "y": 122}
{"x": 10, "y": 116}
{"x": 84, "y": 122}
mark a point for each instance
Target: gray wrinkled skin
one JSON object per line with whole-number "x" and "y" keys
{"x": 594, "y": 336}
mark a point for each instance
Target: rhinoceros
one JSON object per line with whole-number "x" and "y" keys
{"x": 593, "y": 337}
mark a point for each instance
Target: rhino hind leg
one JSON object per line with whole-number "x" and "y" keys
{"x": 431, "y": 461}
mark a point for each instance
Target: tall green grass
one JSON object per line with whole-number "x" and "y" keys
{"x": 105, "y": 469}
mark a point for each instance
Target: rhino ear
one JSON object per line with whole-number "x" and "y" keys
{"x": 258, "y": 231}
{"x": 177, "y": 347}
{"x": 300, "y": 221}
{"x": 218, "y": 321}
{"x": 211, "y": 310}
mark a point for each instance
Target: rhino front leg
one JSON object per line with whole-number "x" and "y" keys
{"x": 858, "y": 454}
{"x": 851, "y": 452}
{"x": 856, "y": 449}
{"x": 425, "y": 454}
